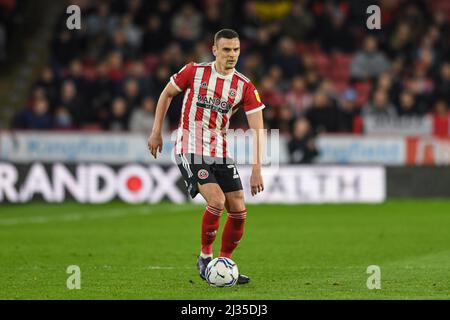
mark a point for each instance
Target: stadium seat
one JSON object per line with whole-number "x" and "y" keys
{"x": 307, "y": 47}
{"x": 358, "y": 124}
{"x": 342, "y": 59}
{"x": 323, "y": 63}
{"x": 340, "y": 86}
{"x": 93, "y": 127}
{"x": 439, "y": 5}
{"x": 90, "y": 72}
{"x": 363, "y": 90}
{"x": 151, "y": 61}
{"x": 340, "y": 67}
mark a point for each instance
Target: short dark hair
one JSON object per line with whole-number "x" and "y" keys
{"x": 225, "y": 33}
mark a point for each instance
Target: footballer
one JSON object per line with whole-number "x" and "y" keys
{"x": 213, "y": 92}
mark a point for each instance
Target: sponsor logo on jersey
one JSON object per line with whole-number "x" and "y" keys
{"x": 203, "y": 174}
{"x": 204, "y": 85}
{"x": 214, "y": 104}
{"x": 232, "y": 93}
{"x": 257, "y": 96}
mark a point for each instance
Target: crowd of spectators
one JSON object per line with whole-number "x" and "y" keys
{"x": 316, "y": 65}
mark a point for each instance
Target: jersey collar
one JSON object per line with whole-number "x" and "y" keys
{"x": 228, "y": 76}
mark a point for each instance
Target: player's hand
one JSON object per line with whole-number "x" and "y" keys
{"x": 256, "y": 181}
{"x": 155, "y": 144}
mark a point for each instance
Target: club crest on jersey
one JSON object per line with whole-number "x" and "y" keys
{"x": 203, "y": 174}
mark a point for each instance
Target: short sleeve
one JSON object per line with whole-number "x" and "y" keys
{"x": 252, "y": 101}
{"x": 182, "y": 79}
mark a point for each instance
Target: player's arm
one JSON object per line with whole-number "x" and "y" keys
{"x": 155, "y": 141}
{"x": 256, "y": 124}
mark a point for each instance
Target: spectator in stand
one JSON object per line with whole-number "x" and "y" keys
{"x": 269, "y": 92}
{"x": 138, "y": 10}
{"x": 38, "y": 93}
{"x": 102, "y": 89}
{"x": 327, "y": 87}
{"x": 369, "y": 62}
{"x": 401, "y": 41}
{"x": 263, "y": 43}
{"x": 165, "y": 10}
{"x": 118, "y": 118}
{"x": 253, "y": 66}
{"x": 75, "y": 74}
{"x": 101, "y": 21}
{"x": 187, "y": 26}
{"x": 2, "y": 43}
{"x": 65, "y": 47}
{"x": 131, "y": 94}
{"x": 202, "y": 52}
{"x": 387, "y": 83}
{"x": 338, "y": 36}
{"x": 425, "y": 55}
{"x": 408, "y": 106}
{"x": 323, "y": 114}
{"x": 161, "y": 74}
{"x": 421, "y": 86}
{"x": 119, "y": 44}
{"x": 313, "y": 80}
{"x": 298, "y": 23}
{"x": 154, "y": 39}
{"x": 78, "y": 110}
{"x": 440, "y": 21}
{"x": 38, "y": 117}
{"x": 276, "y": 74}
{"x": 347, "y": 112}
{"x": 301, "y": 146}
{"x": 285, "y": 119}
{"x": 309, "y": 62}
{"x": 287, "y": 58}
{"x": 138, "y": 72}
{"x": 115, "y": 63}
{"x": 63, "y": 119}
{"x": 413, "y": 13}
{"x": 49, "y": 84}
{"x": 443, "y": 82}
{"x": 173, "y": 57}
{"x": 213, "y": 20}
{"x": 252, "y": 23}
{"x": 380, "y": 106}
{"x": 115, "y": 66}
{"x": 131, "y": 32}
{"x": 141, "y": 119}
{"x": 298, "y": 98}
{"x": 397, "y": 70}
{"x": 441, "y": 118}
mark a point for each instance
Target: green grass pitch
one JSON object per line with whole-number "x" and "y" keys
{"x": 290, "y": 252}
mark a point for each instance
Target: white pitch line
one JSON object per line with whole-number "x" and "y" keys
{"x": 165, "y": 268}
{"x": 90, "y": 215}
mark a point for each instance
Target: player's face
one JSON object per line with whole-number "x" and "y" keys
{"x": 227, "y": 52}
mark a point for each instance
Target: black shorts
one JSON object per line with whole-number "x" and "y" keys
{"x": 202, "y": 169}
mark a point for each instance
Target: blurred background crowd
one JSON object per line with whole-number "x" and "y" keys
{"x": 317, "y": 67}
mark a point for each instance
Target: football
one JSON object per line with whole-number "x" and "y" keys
{"x": 222, "y": 272}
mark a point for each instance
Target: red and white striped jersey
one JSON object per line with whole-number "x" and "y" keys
{"x": 209, "y": 102}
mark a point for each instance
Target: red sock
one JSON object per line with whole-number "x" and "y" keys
{"x": 210, "y": 224}
{"x": 232, "y": 232}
